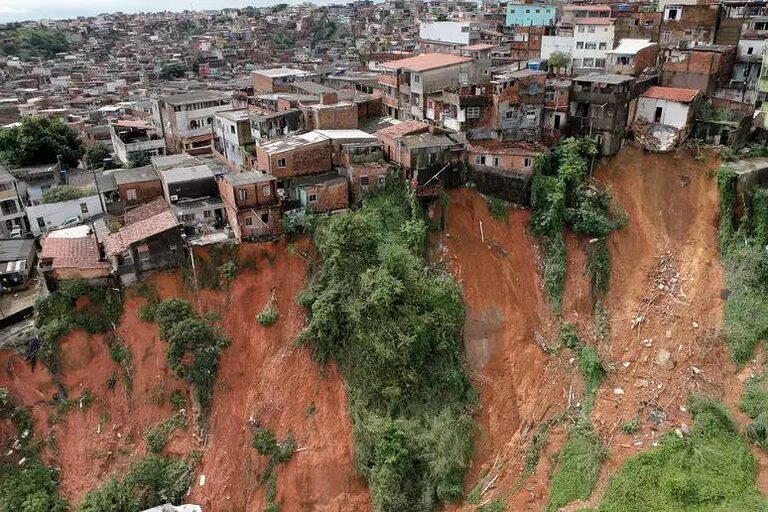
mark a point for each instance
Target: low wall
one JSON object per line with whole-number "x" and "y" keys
{"x": 509, "y": 186}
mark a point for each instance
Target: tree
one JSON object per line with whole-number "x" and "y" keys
{"x": 27, "y": 42}
{"x": 172, "y": 70}
{"x": 139, "y": 160}
{"x": 558, "y": 61}
{"x": 65, "y": 193}
{"x": 38, "y": 141}
{"x": 95, "y": 155}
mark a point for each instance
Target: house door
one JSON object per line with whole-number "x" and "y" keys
{"x": 657, "y": 115}
{"x": 557, "y": 122}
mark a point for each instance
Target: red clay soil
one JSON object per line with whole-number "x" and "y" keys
{"x": 671, "y": 238}
{"x": 261, "y": 377}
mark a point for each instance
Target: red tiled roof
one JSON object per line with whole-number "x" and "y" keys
{"x": 404, "y": 128}
{"x": 479, "y": 46}
{"x": 129, "y": 123}
{"x": 425, "y": 62}
{"x": 123, "y": 239}
{"x": 671, "y": 94}
{"x": 147, "y": 210}
{"x": 82, "y": 252}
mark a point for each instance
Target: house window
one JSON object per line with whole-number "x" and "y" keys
{"x": 579, "y": 45}
{"x": 417, "y": 79}
{"x": 194, "y": 124}
{"x": 588, "y": 63}
{"x": 312, "y": 198}
{"x": 249, "y": 221}
{"x": 243, "y": 194}
{"x": 131, "y": 194}
{"x": 526, "y": 162}
{"x": 187, "y": 217}
{"x": 363, "y": 181}
{"x": 231, "y": 128}
{"x": 83, "y": 207}
{"x": 749, "y": 50}
{"x": 465, "y": 29}
{"x": 480, "y": 160}
{"x": 281, "y": 162}
{"x": 666, "y": 36}
{"x": 509, "y": 114}
{"x": 382, "y": 180}
{"x": 602, "y": 46}
{"x": 473, "y": 112}
{"x": 590, "y": 46}
{"x": 267, "y": 190}
{"x": 590, "y": 30}
{"x": 496, "y": 161}
{"x": 672, "y": 13}
{"x": 5, "y": 186}
{"x": 265, "y": 218}
{"x": 207, "y": 214}
{"x": 581, "y": 28}
{"x": 41, "y": 223}
{"x": 599, "y": 63}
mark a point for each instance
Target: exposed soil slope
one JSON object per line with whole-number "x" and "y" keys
{"x": 665, "y": 271}
{"x": 261, "y": 378}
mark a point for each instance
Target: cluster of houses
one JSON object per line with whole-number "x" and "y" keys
{"x": 462, "y": 93}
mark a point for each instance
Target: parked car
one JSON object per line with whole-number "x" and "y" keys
{"x": 72, "y": 221}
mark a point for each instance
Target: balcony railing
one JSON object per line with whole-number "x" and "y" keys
{"x": 389, "y": 80}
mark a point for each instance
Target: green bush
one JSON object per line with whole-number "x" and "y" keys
{"x": 394, "y": 324}
{"x": 560, "y": 198}
{"x": 578, "y": 467}
{"x": 498, "y": 209}
{"x": 151, "y": 481}
{"x": 55, "y": 315}
{"x": 269, "y": 314}
{"x": 157, "y": 435}
{"x": 277, "y": 452}
{"x": 710, "y": 469}
{"x": 192, "y": 338}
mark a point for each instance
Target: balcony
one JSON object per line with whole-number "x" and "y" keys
{"x": 390, "y": 80}
{"x": 389, "y": 101}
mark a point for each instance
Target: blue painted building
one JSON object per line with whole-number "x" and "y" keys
{"x": 528, "y": 15}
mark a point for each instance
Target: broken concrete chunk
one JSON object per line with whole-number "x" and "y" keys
{"x": 664, "y": 359}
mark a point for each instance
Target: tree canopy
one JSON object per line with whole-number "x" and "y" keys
{"x": 26, "y": 42}
{"x": 37, "y": 142}
{"x": 95, "y": 155}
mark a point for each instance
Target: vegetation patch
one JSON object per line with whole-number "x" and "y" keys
{"x": 562, "y": 197}
{"x": 578, "y": 466}
{"x": 498, "y": 209}
{"x": 121, "y": 354}
{"x": 277, "y": 452}
{"x": 194, "y": 346}
{"x": 26, "y": 483}
{"x": 151, "y": 481}
{"x": 533, "y": 454}
{"x": 394, "y": 324}
{"x": 590, "y": 365}
{"x": 709, "y": 469}
{"x": 743, "y": 254}
{"x": 157, "y": 435}
{"x": 59, "y": 312}
{"x": 269, "y": 314}
{"x": 38, "y": 141}
{"x": 219, "y": 268}
{"x": 754, "y": 403}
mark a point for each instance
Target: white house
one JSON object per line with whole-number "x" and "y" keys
{"x": 447, "y": 36}
{"x": 593, "y": 37}
{"x": 664, "y": 116}
{"x": 45, "y": 217}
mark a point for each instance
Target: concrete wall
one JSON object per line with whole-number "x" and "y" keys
{"x": 145, "y": 191}
{"x": 601, "y": 34}
{"x": 447, "y": 31}
{"x": 330, "y": 196}
{"x": 508, "y": 186}
{"x": 552, "y": 44}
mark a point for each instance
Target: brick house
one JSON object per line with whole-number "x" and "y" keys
{"x": 390, "y": 135}
{"x": 689, "y": 25}
{"x": 331, "y": 114}
{"x": 252, "y": 204}
{"x": 703, "y": 67}
{"x": 516, "y": 157}
{"x": 139, "y": 185}
{"x": 322, "y": 193}
{"x": 363, "y": 166}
